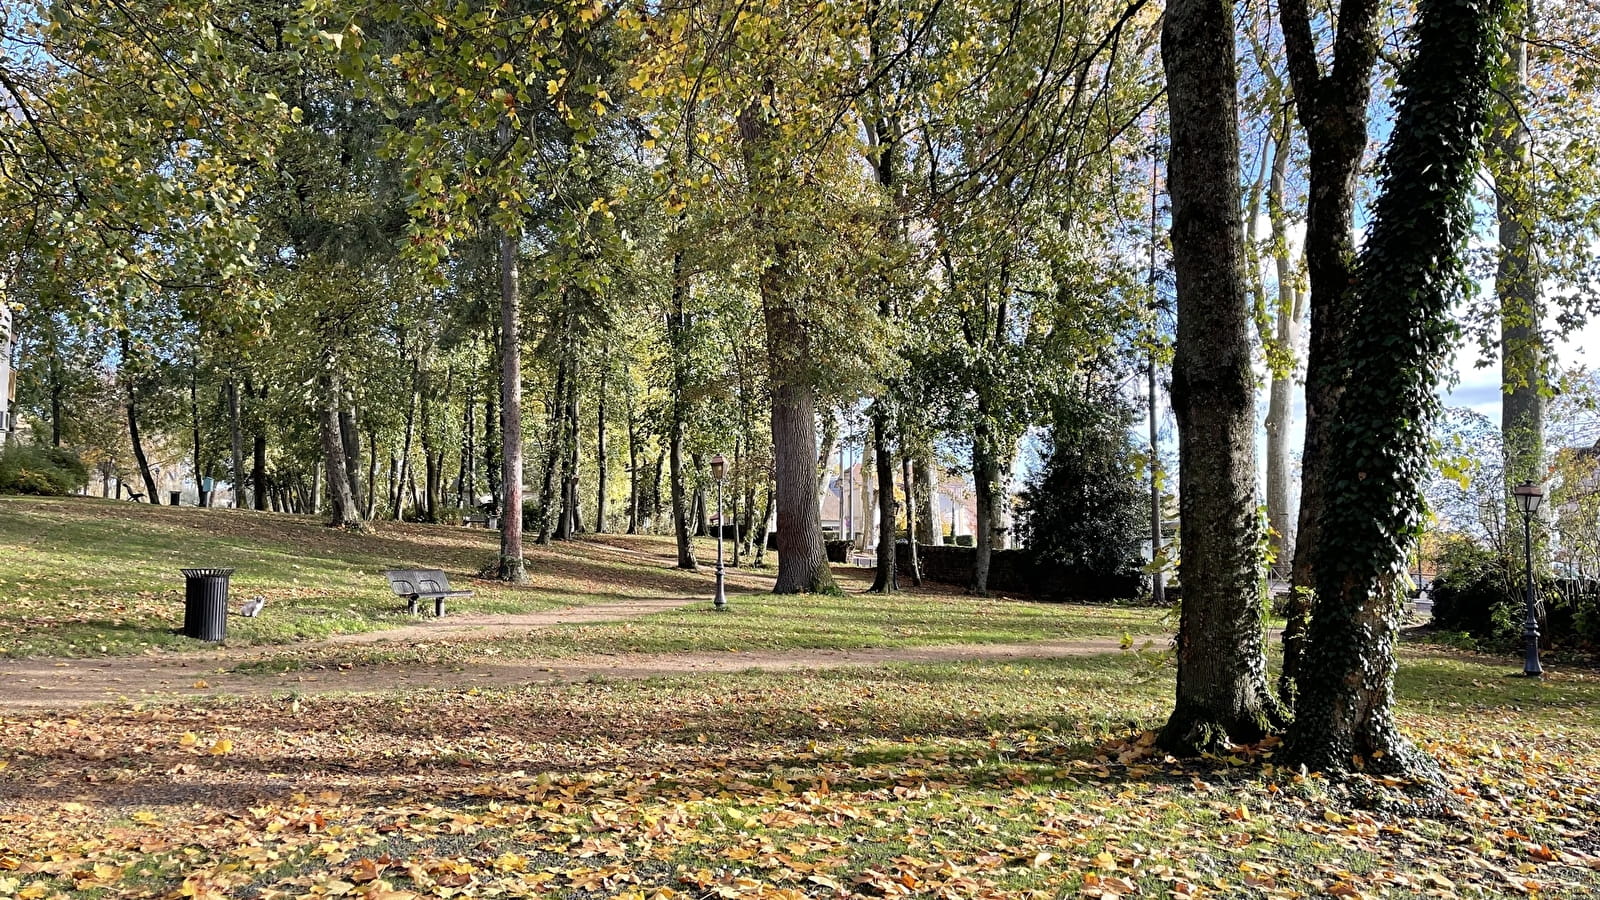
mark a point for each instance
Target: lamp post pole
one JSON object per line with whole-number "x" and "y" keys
{"x": 718, "y": 470}
{"x": 1528, "y": 496}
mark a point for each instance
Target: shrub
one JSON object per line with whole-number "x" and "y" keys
{"x": 47, "y": 471}
{"x": 1084, "y": 513}
{"x": 1482, "y": 594}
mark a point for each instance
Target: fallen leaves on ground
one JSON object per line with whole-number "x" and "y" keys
{"x": 944, "y": 782}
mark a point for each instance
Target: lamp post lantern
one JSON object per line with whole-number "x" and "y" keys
{"x": 719, "y": 470}
{"x": 1528, "y": 497}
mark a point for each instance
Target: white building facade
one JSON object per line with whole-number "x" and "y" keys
{"x": 8, "y": 378}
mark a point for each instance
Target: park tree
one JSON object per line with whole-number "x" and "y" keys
{"x": 1331, "y": 84}
{"x": 1408, "y": 277}
{"x": 1222, "y": 695}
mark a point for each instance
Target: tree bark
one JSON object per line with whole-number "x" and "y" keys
{"x": 600, "y": 452}
{"x": 511, "y": 567}
{"x": 194, "y": 425}
{"x": 633, "y": 469}
{"x": 1333, "y": 111}
{"x": 344, "y": 512}
{"x": 236, "y": 433}
{"x": 927, "y": 501}
{"x": 150, "y": 493}
{"x": 1522, "y": 405}
{"x": 1409, "y": 276}
{"x": 1222, "y": 692}
{"x": 677, "y": 339}
{"x": 1281, "y": 375}
{"x": 985, "y": 478}
{"x": 351, "y": 437}
{"x": 802, "y": 558}
{"x": 886, "y": 580}
{"x": 258, "y": 449}
{"x": 911, "y": 518}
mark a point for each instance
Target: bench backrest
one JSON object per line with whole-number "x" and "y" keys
{"x": 405, "y": 582}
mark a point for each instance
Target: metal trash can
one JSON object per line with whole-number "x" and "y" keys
{"x": 205, "y": 603}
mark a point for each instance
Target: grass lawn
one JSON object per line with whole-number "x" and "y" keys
{"x": 942, "y": 780}
{"x": 86, "y": 577}
{"x": 951, "y": 780}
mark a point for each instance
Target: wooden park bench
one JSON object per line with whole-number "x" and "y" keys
{"x": 422, "y": 584}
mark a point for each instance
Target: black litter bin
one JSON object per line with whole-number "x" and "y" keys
{"x": 176, "y": 497}
{"x": 205, "y": 603}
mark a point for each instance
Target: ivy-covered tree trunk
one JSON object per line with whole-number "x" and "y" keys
{"x": 1332, "y": 107}
{"x": 1222, "y": 694}
{"x": 1394, "y": 349}
{"x": 928, "y": 526}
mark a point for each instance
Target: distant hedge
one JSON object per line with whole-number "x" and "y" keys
{"x": 46, "y": 471}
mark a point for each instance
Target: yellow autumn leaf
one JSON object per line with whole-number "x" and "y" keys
{"x": 221, "y": 747}
{"x": 188, "y": 739}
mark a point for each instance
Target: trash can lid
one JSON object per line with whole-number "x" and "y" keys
{"x": 205, "y": 573}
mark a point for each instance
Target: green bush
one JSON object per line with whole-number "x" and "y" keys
{"x": 1483, "y": 595}
{"x": 47, "y": 471}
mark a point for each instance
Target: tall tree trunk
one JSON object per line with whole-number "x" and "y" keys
{"x": 633, "y": 469}
{"x": 370, "y": 507}
{"x": 510, "y": 567}
{"x": 236, "y": 433}
{"x": 258, "y": 447}
{"x": 351, "y": 437}
{"x": 885, "y": 580}
{"x": 698, "y": 508}
{"x": 767, "y": 513}
{"x": 56, "y": 390}
{"x": 345, "y": 513}
{"x": 600, "y": 451}
{"x": 466, "y": 475}
{"x": 574, "y": 503}
{"x": 407, "y": 436}
{"x": 139, "y": 457}
{"x": 194, "y": 425}
{"x": 802, "y": 558}
{"x": 1409, "y": 276}
{"x": 911, "y": 519}
{"x": 927, "y": 500}
{"x": 555, "y": 426}
{"x": 677, "y": 338}
{"x": 1222, "y": 693}
{"x": 1522, "y": 405}
{"x": 491, "y": 440}
{"x": 1281, "y": 374}
{"x": 986, "y": 485}
{"x": 1332, "y": 107}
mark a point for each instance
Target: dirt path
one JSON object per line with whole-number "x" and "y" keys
{"x": 64, "y": 684}
{"x": 454, "y": 627}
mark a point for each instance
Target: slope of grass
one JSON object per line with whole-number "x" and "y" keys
{"x": 83, "y": 577}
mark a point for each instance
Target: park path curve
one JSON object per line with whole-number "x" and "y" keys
{"x": 65, "y": 684}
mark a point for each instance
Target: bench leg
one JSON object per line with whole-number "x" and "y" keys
{"x": 411, "y": 606}
{"x": 438, "y": 606}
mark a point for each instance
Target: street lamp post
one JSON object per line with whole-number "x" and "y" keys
{"x": 719, "y": 468}
{"x": 1528, "y": 497}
